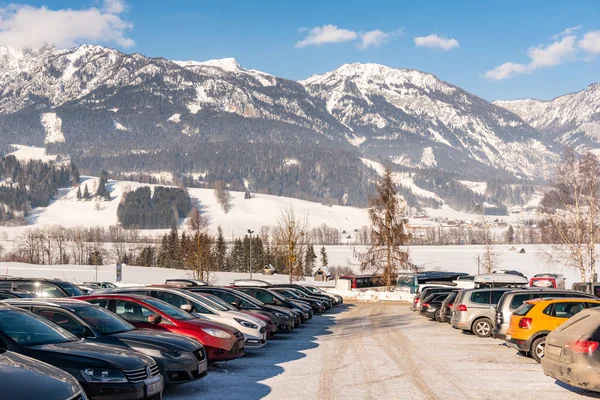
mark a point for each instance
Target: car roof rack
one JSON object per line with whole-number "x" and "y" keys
{"x": 251, "y": 283}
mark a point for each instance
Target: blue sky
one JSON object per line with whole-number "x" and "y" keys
{"x": 462, "y": 42}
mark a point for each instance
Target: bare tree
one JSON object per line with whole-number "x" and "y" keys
{"x": 572, "y": 213}
{"x": 223, "y": 196}
{"x": 387, "y": 212}
{"x": 197, "y": 224}
{"x": 289, "y": 237}
{"x": 59, "y": 236}
{"x": 490, "y": 257}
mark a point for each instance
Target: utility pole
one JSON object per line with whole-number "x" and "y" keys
{"x": 250, "y": 232}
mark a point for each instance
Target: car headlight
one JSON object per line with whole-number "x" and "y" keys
{"x": 101, "y": 375}
{"x": 280, "y": 315}
{"x": 172, "y": 353}
{"x": 246, "y": 324}
{"x": 319, "y": 304}
{"x": 217, "y": 333}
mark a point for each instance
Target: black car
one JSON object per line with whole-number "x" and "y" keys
{"x": 431, "y": 305}
{"x": 179, "y": 358}
{"x": 291, "y": 294}
{"x": 15, "y": 294}
{"x": 282, "y": 317}
{"x": 337, "y": 299}
{"x": 275, "y": 299}
{"x": 324, "y": 298}
{"x": 446, "y": 308}
{"x": 105, "y": 372}
{"x": 51, "y": 383}
{"x": 41, "y": 287}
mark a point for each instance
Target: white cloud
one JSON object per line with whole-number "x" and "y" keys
{"x": 27, "y": 26}
{"x": 377, "y": 38}
{"x": 566, "y": 32}
{"x": 326, "y": 34}
{"x": 540, "y": 57}
{"x": 436, "y": 41}
{"x": 591, "y": 42}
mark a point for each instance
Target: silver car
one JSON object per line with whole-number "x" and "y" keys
{"x": 474, "y": 310}
{"x": 514, "y": 299}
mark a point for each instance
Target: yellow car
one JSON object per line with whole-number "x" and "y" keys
{"x": 535, "y": 319}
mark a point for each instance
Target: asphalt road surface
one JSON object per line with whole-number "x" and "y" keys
{"x": 378, "y": 351}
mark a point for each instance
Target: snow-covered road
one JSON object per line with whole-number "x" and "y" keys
{"x": 377, "y": 351}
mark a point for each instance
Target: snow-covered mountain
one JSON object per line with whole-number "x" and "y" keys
{"x": 572, "y": 119}
{"x": 220, "y": 121}
{"x": 420, "y": 121}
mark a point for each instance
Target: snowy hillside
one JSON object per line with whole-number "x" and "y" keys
{"x": 419, "y": 121}
{"x": 573, "y": 118}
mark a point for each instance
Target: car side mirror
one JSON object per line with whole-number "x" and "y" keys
{"x": 186, "y": 307}
{"x": 154, "y": 319}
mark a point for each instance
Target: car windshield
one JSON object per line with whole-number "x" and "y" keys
{"x": 103, "y": 320}
{"x": 30, "y": 330}
{"x": 524, "y": 309}
{"x": 206, "y": 302}
{"x": 292, "y": 293}
{"x": 72, "y": 290}
{"x": 219, "y": 302}
{"x": 168, "y": 309}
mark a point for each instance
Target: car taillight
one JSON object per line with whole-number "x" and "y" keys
{"x": 416, "y": 300}
{"x": 461, "y": 307}
{"x": 424, "y": 305}
{"x": 582, "y": 346}
{"x": 525, "y": 323}
{"x": 451, "y": 305}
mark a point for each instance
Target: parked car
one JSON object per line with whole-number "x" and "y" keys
{"x": 105, "y": 372}
{"x": 179, "y": 359}
{"x": 587, "y": 287}
{"x": 100, "y": 285}
{"x": 504, "y": 279}
{"x": 474, "y": 310}
{"x": 253, "y": 329}
{"x": 185, "y": 282}
{"x": 431, "y": 305}
{"x": 572, "y": 353}
{"x": 326, "y": 300}
{"x": 290, "y": 294}
{"x": 416, "y": 305}
{"x": 514, "y": 299}
{"x": 269, "y": 297}
{"x": 51, "y": 383}
{"x": 41, "y": 287}
{"x": 271, "y": 328}
{"x": 337, "y": 299}
{"x": 534, "y": 320}
{"x": 446, "y": 307}
{"x": 282, "y": 317}
{"x": 553, "y": 281}
{"x": 221, "y": 342}
{"x": 14, "y": 294}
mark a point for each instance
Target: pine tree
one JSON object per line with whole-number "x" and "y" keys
{"x": 79, "y": 193}
{"x": 310, "y": 259}
{"x": 324, "y": 261}
{"x": 510, "y": 235}
{"x": 86, "y": 192}
{"x": 220, "y": 250}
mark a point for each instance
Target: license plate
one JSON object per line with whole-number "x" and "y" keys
{"x": 554, "y": 350}
{"x": 153, "y": 388}
{"x": 508, "y": 337}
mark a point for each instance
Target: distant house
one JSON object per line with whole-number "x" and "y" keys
{"x": 269, "y": 270}
{"x": 322, "y": 274}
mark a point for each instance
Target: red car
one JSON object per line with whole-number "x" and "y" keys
{"x": 221, "y": 342}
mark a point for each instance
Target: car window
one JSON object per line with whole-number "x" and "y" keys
{"x": 64, "y": 320}
{"x": 41, "y": 289}
{"x": 496, "y": 295}
{"x": 102, "y": 320}
{"x": 597, "y": 291}
{"x": 171, "y": 298}
{"x": 99, "y": 302}
{"x": 481, "y": 297}
{"x": 229, "y": 298}
{"x": 131, "y": 311}
{"x": 71, "y": 289}
{"x": 518, "y": 300}
{"x": 524, "y": 309}
{"x": 4, "y": 296}
{"x": 265, "y": 297}
{"x": 592, "y": 305}
{"x": 563, "y": 310}
{"x": 171, "y": 311}
{"x": 29, "y": 330}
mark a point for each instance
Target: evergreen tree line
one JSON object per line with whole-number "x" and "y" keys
{"x": 29, "y": 185}
{"x": 142, "y": 210}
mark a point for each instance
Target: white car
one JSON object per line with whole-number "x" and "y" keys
{"x": 253, "y": 329}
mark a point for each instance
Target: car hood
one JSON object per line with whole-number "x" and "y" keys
{"x": 204, "y": 323}
{"x": 257, "y": 315}
{"x": 140, "y": 338}
{"x": 246, "y": 317}
{"x": 99, "y": 354}
{"x": 284, "y": 310}
{"x": 19, "y": 372}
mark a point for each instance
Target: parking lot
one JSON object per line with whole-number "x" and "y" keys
{"x": 378, "y": 351}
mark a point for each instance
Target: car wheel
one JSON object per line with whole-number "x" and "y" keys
{"x": 438, "y": 316}
{"x": 538, "y": 349}
{"x": 483, "y": 328}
